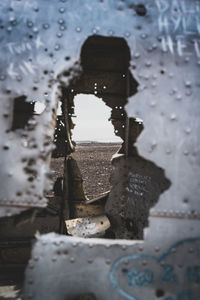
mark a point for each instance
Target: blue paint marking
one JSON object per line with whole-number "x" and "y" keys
{"x": 193, "y": 274}
{"x": 184, "y": 295}
{"x": 140, "y": 278}
{"x": 115, "y": 266}
{"x": 168, "y": 273}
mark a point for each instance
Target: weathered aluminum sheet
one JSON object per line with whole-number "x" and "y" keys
{"x": 73, "y": 268}
{"x": 163, "y": 37}
{"x": 41, "y": 39}
{"x": 88, "y": 227}
{"x": 36, "y": 46}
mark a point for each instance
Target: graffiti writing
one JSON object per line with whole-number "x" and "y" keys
{"x": 178, "y": 20}
{"x": 193, "y": 274}
{"x": 135, "y": 277}
{"x": 168, "y": 274}
{"x": 184, "y": 295}
{"x": 145, "y": 277}
{"x": 180, "y": 46}
{"x": 138, "y": 184}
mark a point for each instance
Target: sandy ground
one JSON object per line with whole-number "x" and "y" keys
{"x": 94, "y": 161}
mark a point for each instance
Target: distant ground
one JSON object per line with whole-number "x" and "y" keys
{"x": 94, "y": 160}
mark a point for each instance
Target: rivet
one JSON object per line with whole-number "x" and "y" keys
{"x": 153, "y": 103}
{"x": 188, "y": 83}
{"x": 63, "y": 27}
{"x": 148, "y": 64}
{"x": 127, "y": 34}
{"x": 90, "y": 261}
{"x": 188, "y": 130}
{"x": 2, "y": 77}
{"x": 95, "y": 30}
{"x": 153, "y": 84}
{"x": 110, "y": 32}
{"x": 188, "y": 92}
{"x": 19, "y": 78}
{"x": 61, "y": 21}
{"x": 153, "y": 146}
{"x": 36, "y": 258}
{"x": 72, "y": 259}
{"x": 46, "y": 26}
{"x": 143, "y": 35}
{"x": 173, "y": 117}
{"x": 59, "y": 34}
{"x": 57, "y": 47}
{"x": 124, "y": 247}
{"x": 13, "y": 21}
{"x": 179, "y": 97}
{"x": 154, "y": 46}
{"x": 108, "y": 261}
{"x": 30, "y": 281}
{"x": 168, "y": 151}
{"x": 31, "y": 266}
{"x": 137, "y": 55}
{"x": 173, "y": 250}
{"x": 150, "y": 49}
{"x": 78, "y": 29}
{"x": 141, "y": 248}
{"x": 35, "y": 30}
{"x": 144, "y": 262}
{"x": 56, "y": 243}
{"x": 61, "y": 10}
{"x": 30, "y": 24}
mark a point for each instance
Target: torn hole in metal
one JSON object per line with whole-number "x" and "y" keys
{"x": 141, "y": 61}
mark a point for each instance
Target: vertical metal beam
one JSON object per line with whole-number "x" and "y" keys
{"x": 127, "y": 118}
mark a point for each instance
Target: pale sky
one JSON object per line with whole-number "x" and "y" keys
{"x": 92, "y": 120}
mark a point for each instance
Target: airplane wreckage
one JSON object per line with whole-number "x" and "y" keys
{"x": 141, "y": 240}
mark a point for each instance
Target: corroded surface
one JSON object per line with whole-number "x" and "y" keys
{"x": 40, "y": 44}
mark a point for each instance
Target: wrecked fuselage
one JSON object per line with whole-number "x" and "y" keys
{"x": 142, "y": 59}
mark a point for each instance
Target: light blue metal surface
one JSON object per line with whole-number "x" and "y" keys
{"x": 41, "y": 39}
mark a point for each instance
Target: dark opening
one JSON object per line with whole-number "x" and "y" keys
{"x": 22, "y": 112}
{"x": 136, "y": 183}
